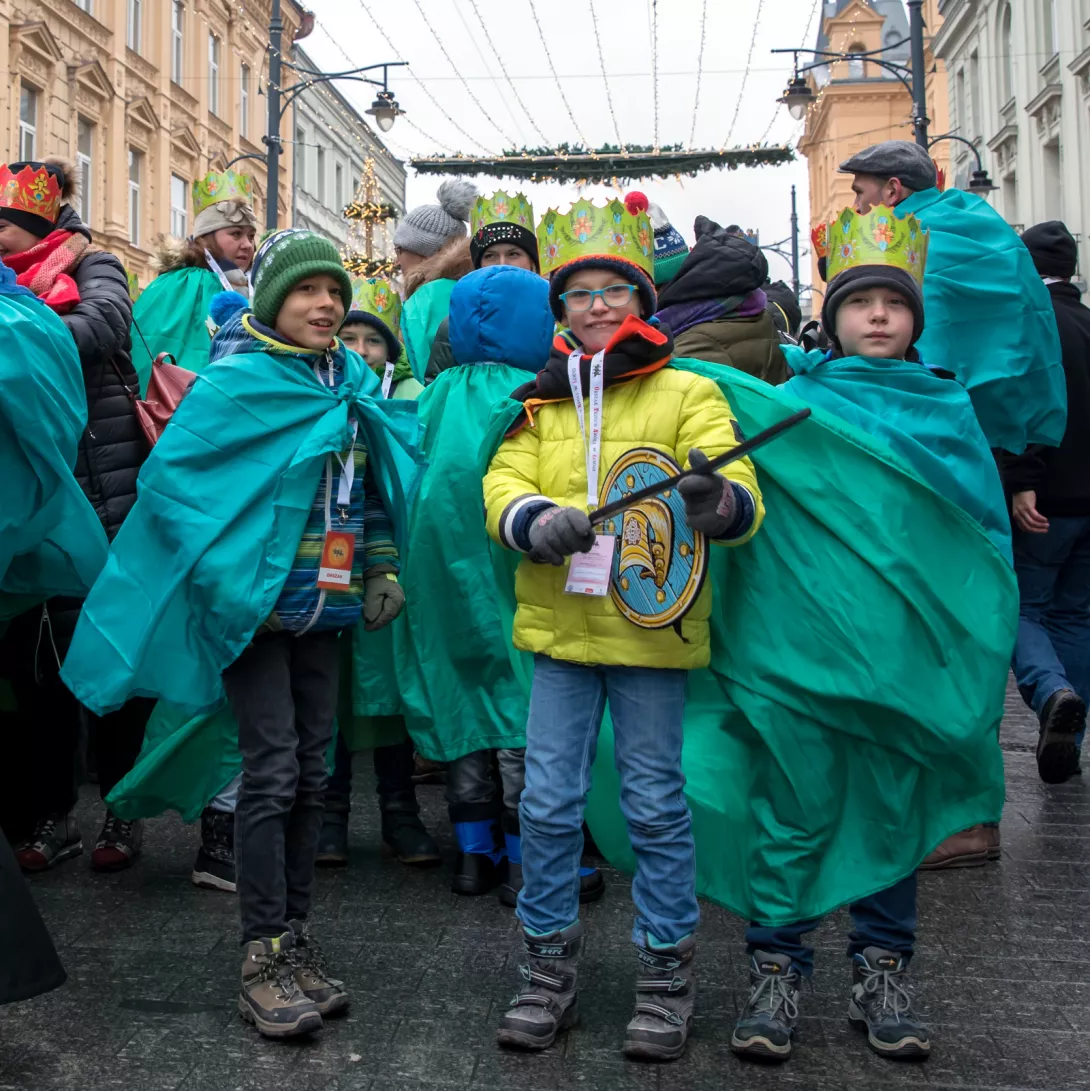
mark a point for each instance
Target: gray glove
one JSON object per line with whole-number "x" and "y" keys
{"x": 710, "y": 503}
{"x": 558, "y": 533}
{"x": 383, "y": 600}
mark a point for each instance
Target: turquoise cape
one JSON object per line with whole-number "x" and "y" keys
{"x": 51, "y": 540}
{"x": 989, "y": 319}
{"x": 171, "y": 315}
{"x": 421, "y": 318}
{"x": 221, "y": 506}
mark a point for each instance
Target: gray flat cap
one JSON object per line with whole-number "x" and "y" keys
{"x": 901, "y": 159}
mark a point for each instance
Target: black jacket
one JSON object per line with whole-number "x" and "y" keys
{"x": 30, "y": 965}
{"x": 1061, "y": 475}
{"x": 113, "y": 447}
{"x": 719, "y": 266}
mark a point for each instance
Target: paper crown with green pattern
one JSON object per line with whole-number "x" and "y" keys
{"x": 377, "y": 296}
{"x": 587, "y": 231}
{"x": 501, "y": 208}
{"x": 877, "y": 237}
{"x": 219, "y": 186}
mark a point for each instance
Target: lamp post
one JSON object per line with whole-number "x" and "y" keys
{"x": 980, "y": 183}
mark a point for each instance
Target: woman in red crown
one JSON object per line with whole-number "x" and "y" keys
{"x": 47, "y": 245}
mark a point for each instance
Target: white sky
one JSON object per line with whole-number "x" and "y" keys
{"x": 754, "y": 198}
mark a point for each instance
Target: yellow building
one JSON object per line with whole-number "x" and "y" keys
{"x": 860, "y": 104}
{"x": 143, "y": 96}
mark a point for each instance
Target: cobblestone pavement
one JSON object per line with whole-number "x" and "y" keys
{"x": 153, "y": 963}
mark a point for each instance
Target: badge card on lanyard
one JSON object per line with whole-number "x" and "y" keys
{"x": 388, "y": 378}
{"x": 339, "y": 547}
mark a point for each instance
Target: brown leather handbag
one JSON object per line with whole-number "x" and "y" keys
{"x": 168, "y": 384}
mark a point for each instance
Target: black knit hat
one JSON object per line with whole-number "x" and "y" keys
{"x": 1053, "y": 249}
{"x": 860, "y": 278}
{"x": 627, "y": 271}
{"x": 501, "y": 231}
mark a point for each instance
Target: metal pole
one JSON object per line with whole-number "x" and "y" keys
{"x": 272, "y": 138}
{"x": 794, "y": 243}
{"x": 919, "y": 76}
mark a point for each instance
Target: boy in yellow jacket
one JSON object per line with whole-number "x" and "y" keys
{"x": 616, "y": 612}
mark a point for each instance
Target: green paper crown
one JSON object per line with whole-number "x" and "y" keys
{"x": 219, "y": 186}
{"x": 589, "y": 231}
{"x": 501, "y": 208}
{"x": 877, "y": 238}
{"x": 378, "y": 296}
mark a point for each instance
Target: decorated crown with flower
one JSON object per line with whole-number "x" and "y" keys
{"x": 219, "y": 186}
{"x": 586, "y": 230}
{"x": 878, "y": 237}
{"x": 33, "y": 191}
{"x": 501, "y": 208}
{"x": 377, "y": 296}
{"x": 819, "y": 237}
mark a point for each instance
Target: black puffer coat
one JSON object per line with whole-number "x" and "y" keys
{"x": 113, "y": 448}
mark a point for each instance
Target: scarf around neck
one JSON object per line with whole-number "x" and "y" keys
{"x": 637, "y": 348}
{"x": 45, "y": 266}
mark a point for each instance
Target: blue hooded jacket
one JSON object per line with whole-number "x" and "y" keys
{"x": 501, "y": 315}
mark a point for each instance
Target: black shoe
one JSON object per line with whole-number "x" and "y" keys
{"x": 766, "y": 1027}
{"x": 476, "y": 874}
{"x": 333, "y": 840}
{"x": 405, "y": 834}
{"x": 881, "y": 1006}
{"x": 1062, "y": 718}
{"x": 214, "y": 868}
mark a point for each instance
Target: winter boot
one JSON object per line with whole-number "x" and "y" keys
{"x": 118, "y": 844}
{"x": 403, "y": 831}
{"x": 312, "y": 977}
{"x": 766, "y": 1028}
{"x": 333, "y": 840}
{"x": 480, "y": 858}
{"x": 269, "y": 997}
{"x": 214, "y": 868}
{"x": 881, "y": 1006}
{"x": 53, "y": 840}
{"x": 665, "y": 996}
{"x": 546, "y": 1002}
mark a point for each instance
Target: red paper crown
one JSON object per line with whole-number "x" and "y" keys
{"x": 820, "y": 238}
{"x": 33, "y": 191}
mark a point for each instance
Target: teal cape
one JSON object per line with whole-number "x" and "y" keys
{"x": 51, "y": 540}
{"x": 171, "y": 315}
{"x": 421, "y": 318}
{"x": 989, "y": 319}
{"x": 222, "y": 501}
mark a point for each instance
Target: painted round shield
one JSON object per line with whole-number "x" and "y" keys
{"x": 661, "y": 562}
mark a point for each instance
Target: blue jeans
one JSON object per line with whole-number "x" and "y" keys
{"x": 646, "y": 706}
{"x": 886, "y": 920}
{"x": 1053, "y": 649}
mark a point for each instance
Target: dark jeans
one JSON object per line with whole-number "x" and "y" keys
{"x": 42, "y": 737}
{"x": 394, "y": 770}
{"x": 886, "y": 920}
{"x": 1053, "y": 649}
{"x": 283, "y": 692}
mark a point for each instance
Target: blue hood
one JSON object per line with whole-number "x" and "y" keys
{"x": 501, "y": 315}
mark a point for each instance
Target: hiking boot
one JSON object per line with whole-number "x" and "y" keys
{"x": 991, "y": 833}
{"x": 881, "y": 1006}
{"x": 118, "y": 844}
{"x": 969, "y": 848}
{"x": 269, "y": 997}
{"x": 665, "y": 996}
{"x": 214, "y": 868}
{"x": 53, "y": 840}
{"x": 480, "y": 864}
{"x": 404, "y": 833}
{"x": 328, "y": 994}
{"x": 1062, "y": 719}
{"x": 546, "y": 1002}
{"x": 766, "y": 1027}
{"x": 333, "y": 840}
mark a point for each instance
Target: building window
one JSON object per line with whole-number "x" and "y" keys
{"x": 321, "y": 176}
{"x": 961, "y": 121}
{"x": 134, "y": 25}
{"x": 179, "y": 210}
{"x": 85, "y": 5}
{"x": 338, "y": 183}
{"x": 301, "y": 158}
{"x": 857, "y": 69}
{"x": 85, "y": 142}
{"x": 177, "y": 39}
{"x": 1010, "y": 198}
{"x": 1051, "y": 28}
{"x": 976, "y": 107}
{"x": 244, "y": 101}
{"x": 1054, "y": 199}
{"x": 213, "y": 73}
{"x": 136, "y": 168}
{"x": 1006, "y": 64}
{"x": 28, "y": 122}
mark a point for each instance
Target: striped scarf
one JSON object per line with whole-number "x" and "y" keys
{"x": 44, "y": 268}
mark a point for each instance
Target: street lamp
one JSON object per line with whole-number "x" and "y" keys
{"x": 797, "y": 97}
{"x": 979, "y": 183}
{"x": 385, "y": 110}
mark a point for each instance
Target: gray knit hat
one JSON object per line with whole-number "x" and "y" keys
{"x": 427, "y": 227}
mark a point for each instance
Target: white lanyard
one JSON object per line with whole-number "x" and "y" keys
{"x": 388, "y": 378}
{"x": 214, "y": 266}
{"x": 348, "y": 464}
{"x": 592, "y": 445}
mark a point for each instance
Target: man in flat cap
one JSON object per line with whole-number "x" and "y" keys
{"x": 989, "y": 318}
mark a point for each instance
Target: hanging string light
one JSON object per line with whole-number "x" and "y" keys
{"x": 556, "y": 79}
{"x": 745, "y": 74}
{"x": 655, "y": 63}
{"x": 605, "y": 78}
{"x": 699, "y": 72}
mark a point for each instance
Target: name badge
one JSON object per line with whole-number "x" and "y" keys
{"x": 338, "y": 550}
{"x": 589, "y": 573}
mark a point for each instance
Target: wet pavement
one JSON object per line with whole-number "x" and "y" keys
{"x": 1000, "y": 973}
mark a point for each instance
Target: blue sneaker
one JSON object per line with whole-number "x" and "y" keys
{"x": 881, "y": 1006}
{"x": 766, "y": 1028}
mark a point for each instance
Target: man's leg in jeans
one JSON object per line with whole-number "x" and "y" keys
{"x": 886, "y": 920}
{"x": 259, "y": 689}
{"x": 315, "y": 673}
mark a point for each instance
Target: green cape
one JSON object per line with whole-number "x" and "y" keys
{"x": 421, "y": 317}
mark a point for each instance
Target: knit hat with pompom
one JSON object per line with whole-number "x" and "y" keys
{"x": 426, "y": 227}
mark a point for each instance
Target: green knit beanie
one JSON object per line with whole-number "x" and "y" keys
{"x": 286, "y": 258}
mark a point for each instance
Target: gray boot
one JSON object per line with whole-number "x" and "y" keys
{"x": 545, "y": 1003}
{"x": 665, "y": 997}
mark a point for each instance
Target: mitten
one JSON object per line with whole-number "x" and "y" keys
{"x": 710, "y": 503}
{"x": 558, "y": 533}
{"x": 383, "y": 600}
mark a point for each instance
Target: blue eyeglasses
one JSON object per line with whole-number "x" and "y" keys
{"x": 582, "y": 299}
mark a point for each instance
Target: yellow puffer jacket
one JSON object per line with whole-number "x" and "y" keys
{"x": 670, "y": 410}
